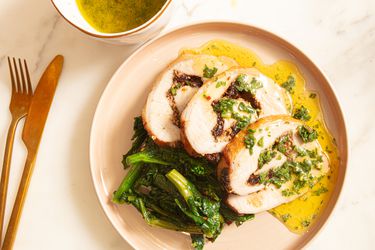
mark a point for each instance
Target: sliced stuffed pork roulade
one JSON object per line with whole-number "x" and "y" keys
{"x": 226, "y": 104}
{"x": 173, "y": 89}
{"x": 271, "y": 162}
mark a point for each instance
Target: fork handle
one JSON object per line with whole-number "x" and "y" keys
{"x": 11, "y": 232}
{"x": 5, "y": 171}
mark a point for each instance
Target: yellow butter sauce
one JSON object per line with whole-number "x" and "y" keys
{"x": 111, "y": 16}
{"x": 301, "y": 213}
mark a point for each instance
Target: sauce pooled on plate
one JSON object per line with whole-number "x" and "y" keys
{"x": 301, "y": 213}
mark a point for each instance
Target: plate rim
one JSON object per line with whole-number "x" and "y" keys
{"x": 270, "y": 34}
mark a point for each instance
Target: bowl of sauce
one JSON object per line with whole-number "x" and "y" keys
{"x": 117, "y": 21}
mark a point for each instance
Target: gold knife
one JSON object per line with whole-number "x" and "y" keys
{"x": 31, "y": 135}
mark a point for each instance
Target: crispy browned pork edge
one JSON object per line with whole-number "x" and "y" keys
{"x": 154, "y": 85}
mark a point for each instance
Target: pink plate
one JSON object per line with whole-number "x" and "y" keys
{"x": 124, "y": 98}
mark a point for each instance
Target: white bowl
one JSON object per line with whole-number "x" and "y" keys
{"x": 68, "y": 9}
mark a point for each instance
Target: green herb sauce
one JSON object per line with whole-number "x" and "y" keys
{"x": 289, "y": 84}
{"x": 302, "y": 114}
{"x": 225, "y": 106}
{"x": 307, "y": 134}
{"x": 208, "y": 72}
{"x": 112, "y": 16}
{"x": 244, "y": 84}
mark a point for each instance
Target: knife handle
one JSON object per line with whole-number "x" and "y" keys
{"x": 11, "y": 232}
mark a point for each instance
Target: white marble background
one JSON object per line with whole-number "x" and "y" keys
{"x": 62, "y": 211}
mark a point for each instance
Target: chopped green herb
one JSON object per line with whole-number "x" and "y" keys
{"x": 265, "y": 157}
{"x": 312, "y": 153}
{"x": 307, "y": 134}
{"x": 260, "y": 142}
{"x": 243, "y": 84}
{"x": 285, "y": 217}
{"x": 283, "y": 143}
{"x": 287, "y": 192}
{"x": 220, "y": 83}
{"x": 300, "y": 151}
{"x": 225, "y": 106}
{"x": 263, "y": 177}
{"x": 281, "y": 175}
{"x": 174, "y": 88}
{"x": 208, "y": 73}
{"x": 312, "y": 95}
{"x": 289, "y": 84}
{"x": 250, "y": 140}
{"x": 246, "y": 108}
{"x": 302, "y": 113}
{"x": 299, "y": 172}
{"x": 242, "y": 121}
{"x": 305, "y": 223}
{"x": 320, "y": 191}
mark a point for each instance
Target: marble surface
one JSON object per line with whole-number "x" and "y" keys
{"x": 62, "y": 211}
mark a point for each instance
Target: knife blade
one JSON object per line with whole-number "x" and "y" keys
{"x": 40, "y": 104}
{"x": 31, "y": 135}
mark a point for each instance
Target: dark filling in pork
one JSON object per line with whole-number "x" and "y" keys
{"x": 176, "y": 112}
{"x": 214, "y": 158}
{"x": 219, "y": 127}
{"x": 285, "y": 145}
{"x": 232, "y": 93}
{"x": 224, "y": 178}
{"x": 179, "y": 80}
{"x": 253, "y": 179}
{"x": 184, "y": 79}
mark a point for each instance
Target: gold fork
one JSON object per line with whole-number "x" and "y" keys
{"x": 22, "y": 94}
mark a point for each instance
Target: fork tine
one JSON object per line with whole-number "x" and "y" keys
{"x": 24, "y": 87}
{"x": 30, "y": 88}
{"x": 11, "y": 76}
{"x": 17, "y": 76}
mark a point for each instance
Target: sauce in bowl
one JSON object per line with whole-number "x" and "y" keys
{"x": 113, "y": 16}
